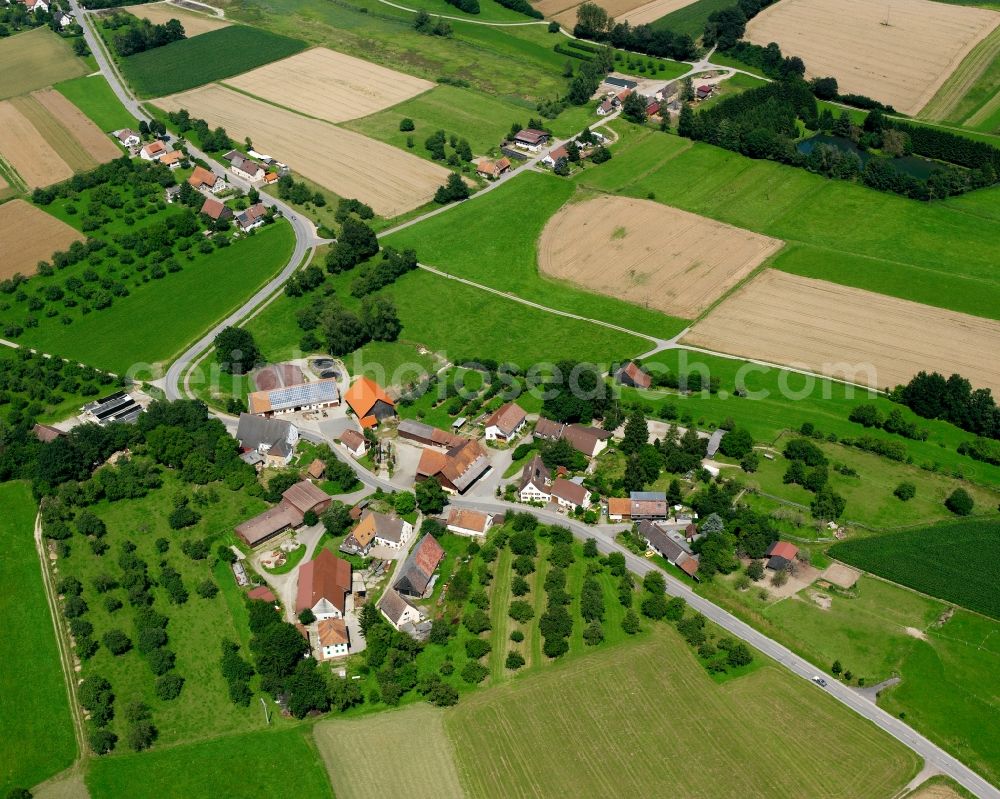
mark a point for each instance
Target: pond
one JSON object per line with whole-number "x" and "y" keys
{"x": 912, "y": 165}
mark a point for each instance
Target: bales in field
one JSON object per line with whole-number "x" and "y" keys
{"x": 30, "y": 235}
{"x": 899, "y": 53}
{"x": 35, "y": 59}
{"x": 649, "y": 254}
{"x": 194, "y": 23}
{"x": 391, "y": 181}
{"x": 848, "y": 333}
{"x": 202, "y": 59}
{"x": 330, "y": 85}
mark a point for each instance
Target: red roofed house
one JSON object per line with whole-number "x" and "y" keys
{"x": 354, "y": 442}
{"x": 46, "y": 433}
{"x": 324, "y": 585}
{"x": 469, "y": 522}
{"x": 172, "y": 159}
{"x": 458, "y": 468}
{"x": 780, "y": 555}
{"x": 216, "y": 210}
{"x": 618, "y": 508}
{"x": 205, "y": 180}
{"x": 569, "y": 494}
{"x": 493, "y": 169}
{"x": 369, "y": 402}
{"x": 505, "y": 423}
{"x": 417, "y": 570}
{"x": 553, "y": 155}
{"x": 631, "y": 374}
{"x": 153, "y": 151}
{"x": 334, "y": 640}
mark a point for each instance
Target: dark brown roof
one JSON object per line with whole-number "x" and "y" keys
{"x": 531, "y": 136}
{"x": 584, "y": 439}
{"x": 46, "y": 433}
{"x": 327, "y": 577}
{"x": 417, "y": 570}
{"x": 461, "y": 465}
{"x": 269, "y": 523}
{"x": 569, "y": 491}
{"x": 305, "y": 496}
{"x": 316, "y": 469}
{"x": 352, "y": 439}
{"x": 393, "y": 605}
{"x": 507, "y": 417}
{"x": 263, "y": 593}
{"x": 546, "y": 428}
{"x": 534, "y": 471}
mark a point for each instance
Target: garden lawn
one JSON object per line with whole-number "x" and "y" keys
{"x": 35, "y": 59}
{"x": 779, "y": 400}
{"x": 924, "y": 560}
{"x": 92, "y": 95}
{"x": 159, "y": 318}
{"x": 506, "y": 224}
{"x": 842, "y": 232}
{"x": 215, "y": 55}
{"x": 262, "y": 764}
{"x": 596, "y": 725}
{"x": 36, "y": 729}
{"x": 481, "y": 119}
{"x": 196, "y": 627}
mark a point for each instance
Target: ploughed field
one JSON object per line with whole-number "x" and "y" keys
{"x": 30, "y": 235}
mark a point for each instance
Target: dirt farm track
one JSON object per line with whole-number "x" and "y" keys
{"x": 821, "y": 326}
{"x": 649, "y": 254}
{"x": 902, "y": 63}
{"x": 390, "y": 180}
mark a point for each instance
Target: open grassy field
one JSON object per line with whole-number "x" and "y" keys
{"x": 329, "y": 85}
{"x": 27, "y": 151}
{"x": 506, "y": 257}
{"x": 35, "y": 59}
{"x": 481, "y": 119}
{"x": 835, "y": 230}
{"x": 203, "y": 709}
{"x": 847, "y": 333}
{"x": 690, "y": 19}
{"x": 431, "y": 774}
{"x": 30, "y": 235}
{"x": 391, "y": 181}
{"x": 194, "y": 22}
{"x": 36, "y": 731}
{"x": 902, "y": 63}
{"x": 266, "y": 763}
{"x": 971, "y": 89}
{"x": 162, "y": 317}
{"x": 922, "y": 559}
{"x": 515, "y": 61}
{"x": 778, "y": 401}
{"x": 92, "y": 95}
{"x": 608, "y": 245}
{"x": 568, "y": 732}
{"x": 212, "y": 56}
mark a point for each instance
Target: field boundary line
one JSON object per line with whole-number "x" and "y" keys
{"x": 958, "y": 85}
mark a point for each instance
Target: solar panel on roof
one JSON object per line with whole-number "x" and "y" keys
{"x": 112, "y": 410}
{"x": 305, "y": 394}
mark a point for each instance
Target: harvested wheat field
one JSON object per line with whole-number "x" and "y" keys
{"x": 90, "y": 137}
{"x": 27, "y": 152}
{"x": 649, "y": 254}
{"x": 652, "y": 11}
{"x": 329, "y": 85}
{"x": 30, "y": 235}
{"x": 194, "y": 23}
{"x": 902, "y": 63}
{"x": 565, "y": 12}
{"x": 426, "y": 772}
{"x": 867, "y": 338}
{"x": 390, "y": 180}
{"x": 33, "y": 59}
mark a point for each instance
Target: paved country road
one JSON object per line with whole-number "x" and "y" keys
{"x": 305, "y": 239}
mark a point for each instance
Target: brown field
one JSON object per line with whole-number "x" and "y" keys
{"x": 649, "y": 254}
{"x": 935, "y": 790}
{"x": 849, "y": 333}
{"x": 652, "y": 11}
{"x": 423, "y": 769}
{"x": 329, "y": 85}
{"x": 30, "y": 235}
{"x": 90, "y": 137}
{"x": 34, "y": 59}
{"x": 27, "y": 152}
{"x": 390, "y": 180}
{"x": 193, "y": 22}
{"x": 903, "y": 63}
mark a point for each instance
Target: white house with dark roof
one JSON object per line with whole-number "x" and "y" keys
{"x": 534, "y": 485}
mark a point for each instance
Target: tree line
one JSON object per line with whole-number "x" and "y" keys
{"x": 594, "y": 23}
{"x": 134, "y": 35}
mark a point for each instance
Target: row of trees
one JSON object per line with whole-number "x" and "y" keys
{"x": 134, "y": 35}
{"x": 952, "y": 399}
{"x": 594, "y": 23}
{"x": 215, "y": 140}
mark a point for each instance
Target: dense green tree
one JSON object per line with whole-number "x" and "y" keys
{"x": 431, "y": 498}
{"x": 236, "y": 351}
{"x": 959, "y": 502}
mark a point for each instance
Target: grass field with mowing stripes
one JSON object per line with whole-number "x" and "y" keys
{"x": 92, "y": 95}
{"x": 36, "y": 730}
{"x": 35, "y": 59}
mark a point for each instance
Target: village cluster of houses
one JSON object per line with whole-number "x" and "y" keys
{"x": 155, "y": 150}
{"x": 62, "y": 18}
{"x": 662, "y": 100}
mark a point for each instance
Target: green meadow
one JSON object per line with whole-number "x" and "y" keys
{"x": 690, "y": 19}
{"x": 36, "y": 730}
{"x": 505, "y": 225}
{"x": 92, "y": 95}
{"x": 267, "y": 764}
{"x": 940, "y": 253}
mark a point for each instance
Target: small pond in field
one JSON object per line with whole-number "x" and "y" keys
{"x": 912, "y": 165}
